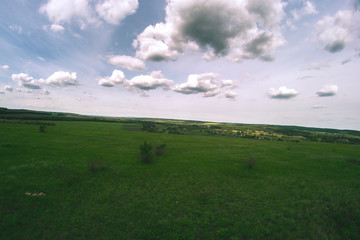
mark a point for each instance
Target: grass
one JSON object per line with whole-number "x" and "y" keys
{"x": 199, "y": 189}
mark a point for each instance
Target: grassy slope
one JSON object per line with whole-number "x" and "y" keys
{"x": 200, "y": 189}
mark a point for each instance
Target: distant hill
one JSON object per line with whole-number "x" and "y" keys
{"x": 259, "y": 131}
{"x": 23, "y": 114}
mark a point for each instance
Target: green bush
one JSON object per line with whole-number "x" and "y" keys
{"x": 160, "y": 149}
{"x": 146, "y": 154}
{"x": 96, "y": 165}
{"x": 42, "y": 128}
{"x": 354, "y": 161}
{"x": 251, "y": 162}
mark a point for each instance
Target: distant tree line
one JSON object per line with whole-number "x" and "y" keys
{"x": 27, "y": 122}
{"x": 272, "y": 134}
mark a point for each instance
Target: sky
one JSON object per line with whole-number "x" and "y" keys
{"x": 293, "y": 62}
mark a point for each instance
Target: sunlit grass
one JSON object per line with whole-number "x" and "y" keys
{"x": 199, "y": 188}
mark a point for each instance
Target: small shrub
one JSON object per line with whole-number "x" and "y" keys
{"x": 354, "y": 161}
{"x": 96, "y": 165}
{"x": 160, "y": 149}
{"x": 146, "y": 153}
{"x": 42, "y": 128}
{"x": 251, "y": 162}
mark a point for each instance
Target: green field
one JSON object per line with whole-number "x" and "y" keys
{"x": 201, "y": 188}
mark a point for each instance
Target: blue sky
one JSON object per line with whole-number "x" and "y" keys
{"x": 289, "y": 62}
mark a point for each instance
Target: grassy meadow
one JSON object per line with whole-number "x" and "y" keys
{"x": 85, "y": 180}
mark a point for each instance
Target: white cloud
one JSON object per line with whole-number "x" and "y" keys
{"x": 8, "y": 88}
{"x": 308, "y": 8}
{"x": 117, "y": 77}
{"x": 200, "y": 83}
{"x": 156, "y": 44}
{"x": 57, "y": 28}
{"x": 139, "y": 83}
{"x": 230, "y": 94}
{"x": 209, "y": 56}
{"x": 149, "y": 82}
{"x": 113, "y": 11}
{"x": 208, "y": 84}
{"x": 269, "y": 13}
{"x": 233, "y": 28}
{"x": 130, "y": 63}
{"x": 328, "y": 91}
{"x": 319, "y": 106}
{"x": 26, "y": 81}
{"x": 61, "y": 79}
{"x": 228, "y": 83}
{"x": 282, "y": 93}
{"x": 66, "y": 10}
{"x": 336, "y": 32}
{"x": 85, "y": 12}
{"x": 5, "y": 67}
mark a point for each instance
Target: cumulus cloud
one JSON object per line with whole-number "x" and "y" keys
{"x": 57, "y": 28}
{"x": 228, "y": 83}
{"x": 5, "y": 67}
{"x": 327, "y": 91}
{"x": 61, "y": 79}
{"x": 270, "y": 14}
{"x": 200, "y": 83}
{"x": 230, "y": 94}
{"x": 233, "y": 28}
{"x": 138, "y": 84}
{"x": 207, "y": 84}
{"x": 308, "y": 8}
{"x": 209, "y": 56}
{"x": 113, "y": 11}
{"x": 156, "y": 44}
{"x": 8, "y": 88}
{"x": 66, "y": 10}
{"x": 24, "y": 80}
{"x": 150, "y": 82}
{"x": 117, "y": 77}
{"x": 86, "y": 12}
{"x": 335, "y": 32}
{"x": 282, "y": 93}
{"x": 130, "y": 63}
